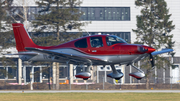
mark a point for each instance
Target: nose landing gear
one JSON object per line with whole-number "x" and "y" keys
{"x": 138, "y": 75}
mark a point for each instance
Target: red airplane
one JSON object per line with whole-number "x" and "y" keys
{"x": 89, "y": 50}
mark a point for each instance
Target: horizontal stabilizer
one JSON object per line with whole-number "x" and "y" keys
{"x": 162, "y": 51}
{"x": 24, "y": 53}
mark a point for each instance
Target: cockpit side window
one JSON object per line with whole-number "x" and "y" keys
{"x": 81, "y": 43}
{"x": 110, "y": 40}
{"x": 96, "y": 42}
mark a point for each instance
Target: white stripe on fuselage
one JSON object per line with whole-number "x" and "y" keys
{"x": 114, "y": 59}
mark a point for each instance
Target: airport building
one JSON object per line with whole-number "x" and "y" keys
{"x": 113, "y": 17}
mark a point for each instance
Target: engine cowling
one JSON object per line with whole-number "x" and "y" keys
{"x": 116, "y": 76}
{"x": 137, "y": 75}
{"x": 83, "y": 75}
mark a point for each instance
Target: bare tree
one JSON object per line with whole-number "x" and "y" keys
{"x": 21, "y": 13}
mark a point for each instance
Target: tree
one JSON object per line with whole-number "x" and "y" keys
{"x": 19, "y": 11}
{"x": 59, "y": 16}
{"x": 6, "y": 35}
{"x": 153, "y": 29}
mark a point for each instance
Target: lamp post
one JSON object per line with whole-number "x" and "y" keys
{"x": 171, "y": 81}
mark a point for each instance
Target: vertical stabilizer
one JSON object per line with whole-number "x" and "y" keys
{"x": 22, "y": 37}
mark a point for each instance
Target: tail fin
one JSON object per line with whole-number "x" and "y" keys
{"x": 22, "y": 37}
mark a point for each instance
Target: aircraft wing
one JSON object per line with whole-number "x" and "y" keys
{"x": 162, "y": 51}
{"x": 71, "y": 57}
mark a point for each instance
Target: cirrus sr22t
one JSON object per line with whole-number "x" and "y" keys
{"x": 89, "y": 50}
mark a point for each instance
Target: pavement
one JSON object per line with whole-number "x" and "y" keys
{"x": 90, "y": 91}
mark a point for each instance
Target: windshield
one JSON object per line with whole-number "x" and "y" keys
{"x": 113, "y": 40}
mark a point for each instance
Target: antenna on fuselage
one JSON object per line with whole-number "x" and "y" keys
{"x": 87, "y": 33}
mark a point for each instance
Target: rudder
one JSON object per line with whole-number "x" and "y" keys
{"x": 22, "y": 37}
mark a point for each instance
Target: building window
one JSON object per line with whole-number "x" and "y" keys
{"x": 175, "y": 73}
{"x": 31, "y": 13}
{"x": 37, "y": 74}
{"x": 90, "y": 13}
{"x": 124, "y": 35}
{"x": 2, "y": 72}
{"x": 84, "y": 13}
{"x": 45, "y": 72}
{"x": 62, "y": 72}
{"x": 106, "y": 13}
{"x": 79, "y": 70}
{"x": 28, "y": 73}
{"x": 100, "y": 14}
{"x": 11, "y": 73}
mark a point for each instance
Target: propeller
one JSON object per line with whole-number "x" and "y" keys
{"x": 151, "y": 60}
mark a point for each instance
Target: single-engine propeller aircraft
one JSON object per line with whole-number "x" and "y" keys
{"x": 89, "y": 50}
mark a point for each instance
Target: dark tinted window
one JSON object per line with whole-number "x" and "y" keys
{"x": 124, "y": 35}
{"x": 89, "y": 13}
{"x": 11, "y": 73}
{"x": 96, "y": 42}
{"x": 105, "y": 13}
{"x": 81, "y": 43}
{"x": 2, "y": 73}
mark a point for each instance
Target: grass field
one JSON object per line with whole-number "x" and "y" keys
{"x": 89, "y": 96}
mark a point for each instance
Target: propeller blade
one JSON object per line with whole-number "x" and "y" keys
{"x": 151, "y": 60}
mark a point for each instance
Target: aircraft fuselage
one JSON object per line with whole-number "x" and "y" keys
{"x": 111, "y": 53}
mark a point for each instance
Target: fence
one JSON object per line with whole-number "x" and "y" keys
{"x": 5, "y": 85}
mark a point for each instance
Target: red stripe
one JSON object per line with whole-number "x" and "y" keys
{"x": 81, "y": 76}
{"x": 135, "y": 76}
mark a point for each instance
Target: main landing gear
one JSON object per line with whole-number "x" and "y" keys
{"x": 85, "y": 75}
{"x": 115, "y": 74}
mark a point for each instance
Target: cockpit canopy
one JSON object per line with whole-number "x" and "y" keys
{"x": 97, "y": 41}
{"x": 114, "y": 40}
